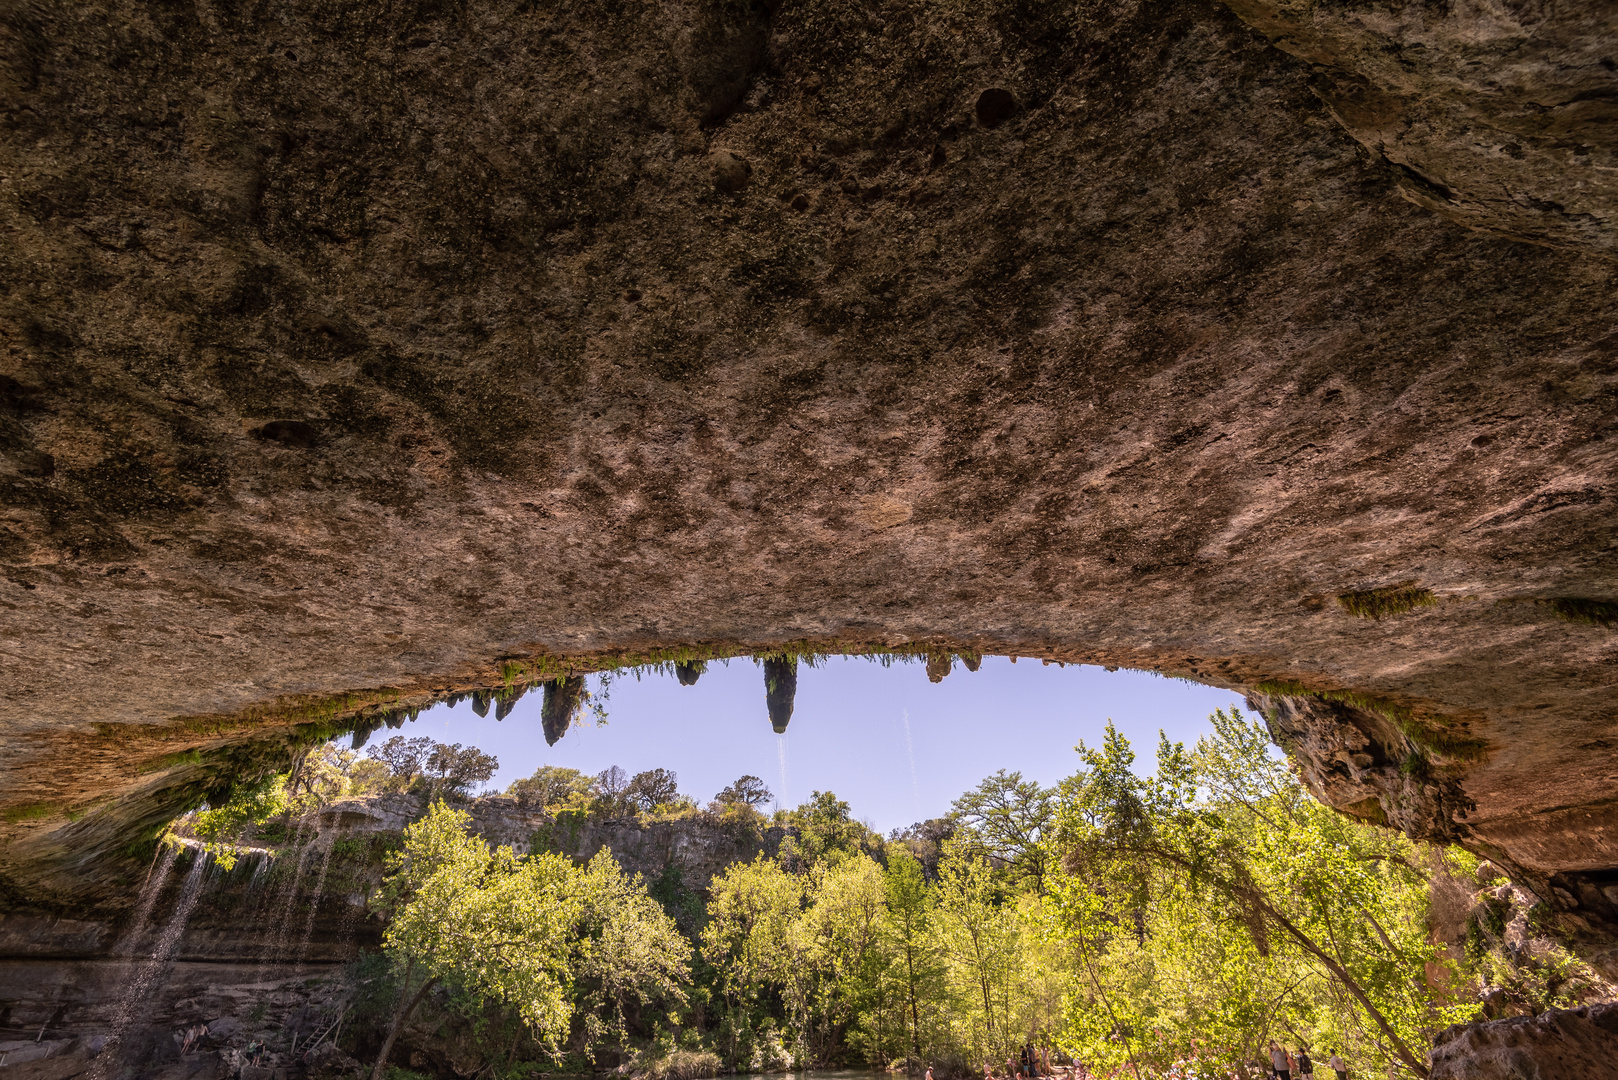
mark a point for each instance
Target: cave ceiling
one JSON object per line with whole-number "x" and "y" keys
{"x": 358, "y": 353}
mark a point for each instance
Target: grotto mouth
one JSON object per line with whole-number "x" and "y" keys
{"x": 352, "y": 363}
{"x": 201, "y": 924}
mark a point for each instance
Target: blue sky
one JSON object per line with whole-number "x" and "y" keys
{"x": 895, "y": 746}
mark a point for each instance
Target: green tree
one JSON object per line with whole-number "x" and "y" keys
{"x": 840, "y": 954}
{"x": 1225, "y": 844}
{"x": 651, "y": 789}
{"x": 497, "y": 924}
{"x": 551, "y": 786}
{"x": 453, "y": 769}
{"x": 1008, "y": 817}
{"x": 752, "y": 943}
{"x": 978, "y": 936}
{"x": 746, "y": 791}
{"x": 825, "y": 830}
{"x": 907, "y": 925}
{"x": 405, "y": 758}
{"x": 249, "y": 804}
{"x": 629, "y": 953}
{"x": 534, "y": 932}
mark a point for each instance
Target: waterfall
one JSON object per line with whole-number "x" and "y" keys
{"x": 279, "y": 947}
{"x": 148, "y": 896}
{"x": 147, "y": 979}
{"x": 314, "y": 897}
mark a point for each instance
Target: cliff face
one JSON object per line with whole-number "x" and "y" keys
{"x": 260, "y": 955}
{"x": 360, "y": 353}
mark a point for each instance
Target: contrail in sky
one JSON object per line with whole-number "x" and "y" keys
{"x": 781, "y": 752}
{"x": 910, "y": 752}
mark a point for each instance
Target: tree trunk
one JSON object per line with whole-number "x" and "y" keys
{"x": 1416, "y": 1065}
{"x": 399, "y": 1018}
{"x": 915, "y": 1015}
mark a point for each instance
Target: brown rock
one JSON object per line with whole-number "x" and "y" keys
{"x": 1562, "y": 1042}
{"x": 731, "y": 174}
{"x": 1148, "y": 386}
{"x": 995, "y": 106}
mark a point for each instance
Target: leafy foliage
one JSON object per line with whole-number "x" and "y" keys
{"x": 1217, "y": 905}
{"x": 253, "y": 804}
{"x": 1007, "y": 817}
{"x": 552, "y": 787}
{"x": 535, "y": 933}
{"x": 1387, "y": 601}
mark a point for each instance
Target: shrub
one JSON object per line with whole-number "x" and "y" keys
{"x": 1585, "y": 612}
{"x": 1377, "y": 604}
{"x": 679, "y": 1065}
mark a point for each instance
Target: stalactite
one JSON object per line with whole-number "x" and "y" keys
{"x": 507, "y": 700}
{"x": 780, "y": 688}
{"x": 563, "y": 699}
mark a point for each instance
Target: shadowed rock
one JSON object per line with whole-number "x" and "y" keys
{"x": 480, "y": 702}
{"x": 688, "y": 674}
{"x": 563, "y": 698}
{"x": 1561, "y": 1042}
{"x": 507, "y": 700}
{"x": 780, "y": 688}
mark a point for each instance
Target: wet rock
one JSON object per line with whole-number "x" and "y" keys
{"x": 563, "y": 700}
{"x": 690, "y": 671}
{"x": 780, "y": 688}
{"x": 731, "y": 174}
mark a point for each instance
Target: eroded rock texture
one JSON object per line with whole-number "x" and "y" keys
{"x": 354, "y": 348}
{"x": 1571, "y": 1042}
{"x": 1498, "y": 115}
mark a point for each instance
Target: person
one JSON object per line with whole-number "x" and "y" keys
{"x": 929, "y": 1072}
{"x": 1306, "y": 1068}
{"x": 988, "y": 1073}
{"x": 1279, "y": 1063}
{"x": 1338, "y": 1066}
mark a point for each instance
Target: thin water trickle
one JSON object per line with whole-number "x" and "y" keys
{"x": 148, "y": 896}
{"x": 280, "y": 946}
{"x": 314, "y": 896}
{"x": 147, "y": 979}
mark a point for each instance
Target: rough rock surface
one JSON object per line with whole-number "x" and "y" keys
{"x": 1498, "y": 115}
{"x": 1571, "y": 1042}
{"x": 351, "y": 350}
